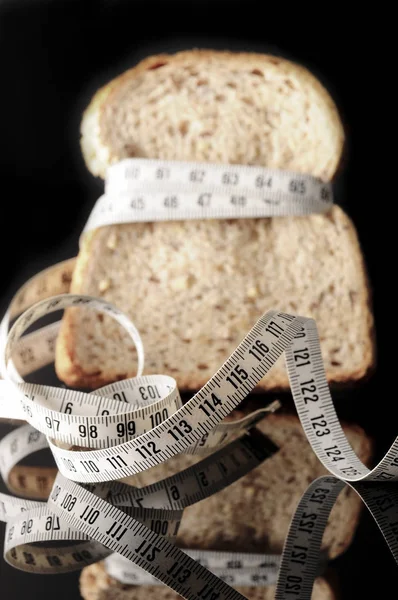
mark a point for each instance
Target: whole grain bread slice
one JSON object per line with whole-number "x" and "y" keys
{"x": 194, "y": 288}
{"x": 96, "y": 584}
{"x": 241, "y": 108}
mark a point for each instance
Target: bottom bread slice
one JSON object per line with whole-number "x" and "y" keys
{"x": 96, "y": 584}
{"x": 254, "y": 513}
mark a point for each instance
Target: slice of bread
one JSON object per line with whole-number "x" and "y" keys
{"x": 194, "y": 288}
{"x": 203, "y": 105}
{"x": 96, "y": 584}
{"x": 271, "y": 491}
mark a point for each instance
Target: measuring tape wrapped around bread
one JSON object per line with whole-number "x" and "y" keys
{"x": 194, "y": 287}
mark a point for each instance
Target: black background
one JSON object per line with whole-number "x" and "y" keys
{"x": 55, "y": 54}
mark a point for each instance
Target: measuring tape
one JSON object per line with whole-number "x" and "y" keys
{"x": 214, "y": 472}
{"x": 128, "y": 427}
{"x": 170, "y": 495}
{"x": 120, "y": 411}
{"x": 142, "y": 190}
{"x": 235, "y": 568}
{"x": 185, "y": 429}
{"x": 112, "y": 526}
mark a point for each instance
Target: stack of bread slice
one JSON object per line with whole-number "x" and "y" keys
{"x": 194, "y": 288}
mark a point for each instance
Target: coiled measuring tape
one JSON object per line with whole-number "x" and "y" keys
{"x": 116, "y": 451}
{"x": 110, "y": 525}
{"x": 210, "y": 475}
{"x": 186, "y": 428}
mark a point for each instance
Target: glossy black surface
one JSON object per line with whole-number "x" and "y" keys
{"x": 54, "y": 55}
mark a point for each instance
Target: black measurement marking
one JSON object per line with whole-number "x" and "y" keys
{"x": 116, "y": 461}
{"x": 147, "y": 550}
{"x": 181, "y": 430}
{"x": 90, "y": 515}
{"x": 209, "y": 407}
{"x": 179, "y": 572}
{"x": 237, "y": 376}
{"x": 114, "y": 532}
{"x": 148, "y": 450}
{"x": 259, "y": 350}
{"x": 274, "y": 328}
{"x": 301, "y": 355}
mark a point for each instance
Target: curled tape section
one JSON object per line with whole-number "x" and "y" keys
{"x": 110, "y": 513}
{"x": 41, "y": 525}
{"x": 63, "y": 414}
{"x": 184, "y": 430}
{"x": 299, "y": 564}
{"x": 159, "y": 506}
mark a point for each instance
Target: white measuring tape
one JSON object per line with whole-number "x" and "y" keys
{"x": 139, "y": 190}
{"x": 107, "y": 524}
{"x": 130, "y": 426}
{"x": 235, "y": 568}
{"x": 211, "y": 474}
{"x": 169, "y": 495}
{"x": 185, "y": 429}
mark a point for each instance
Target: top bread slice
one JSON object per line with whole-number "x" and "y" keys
{"x": 194, "y": 288}
{"x": 222, "y": 107}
